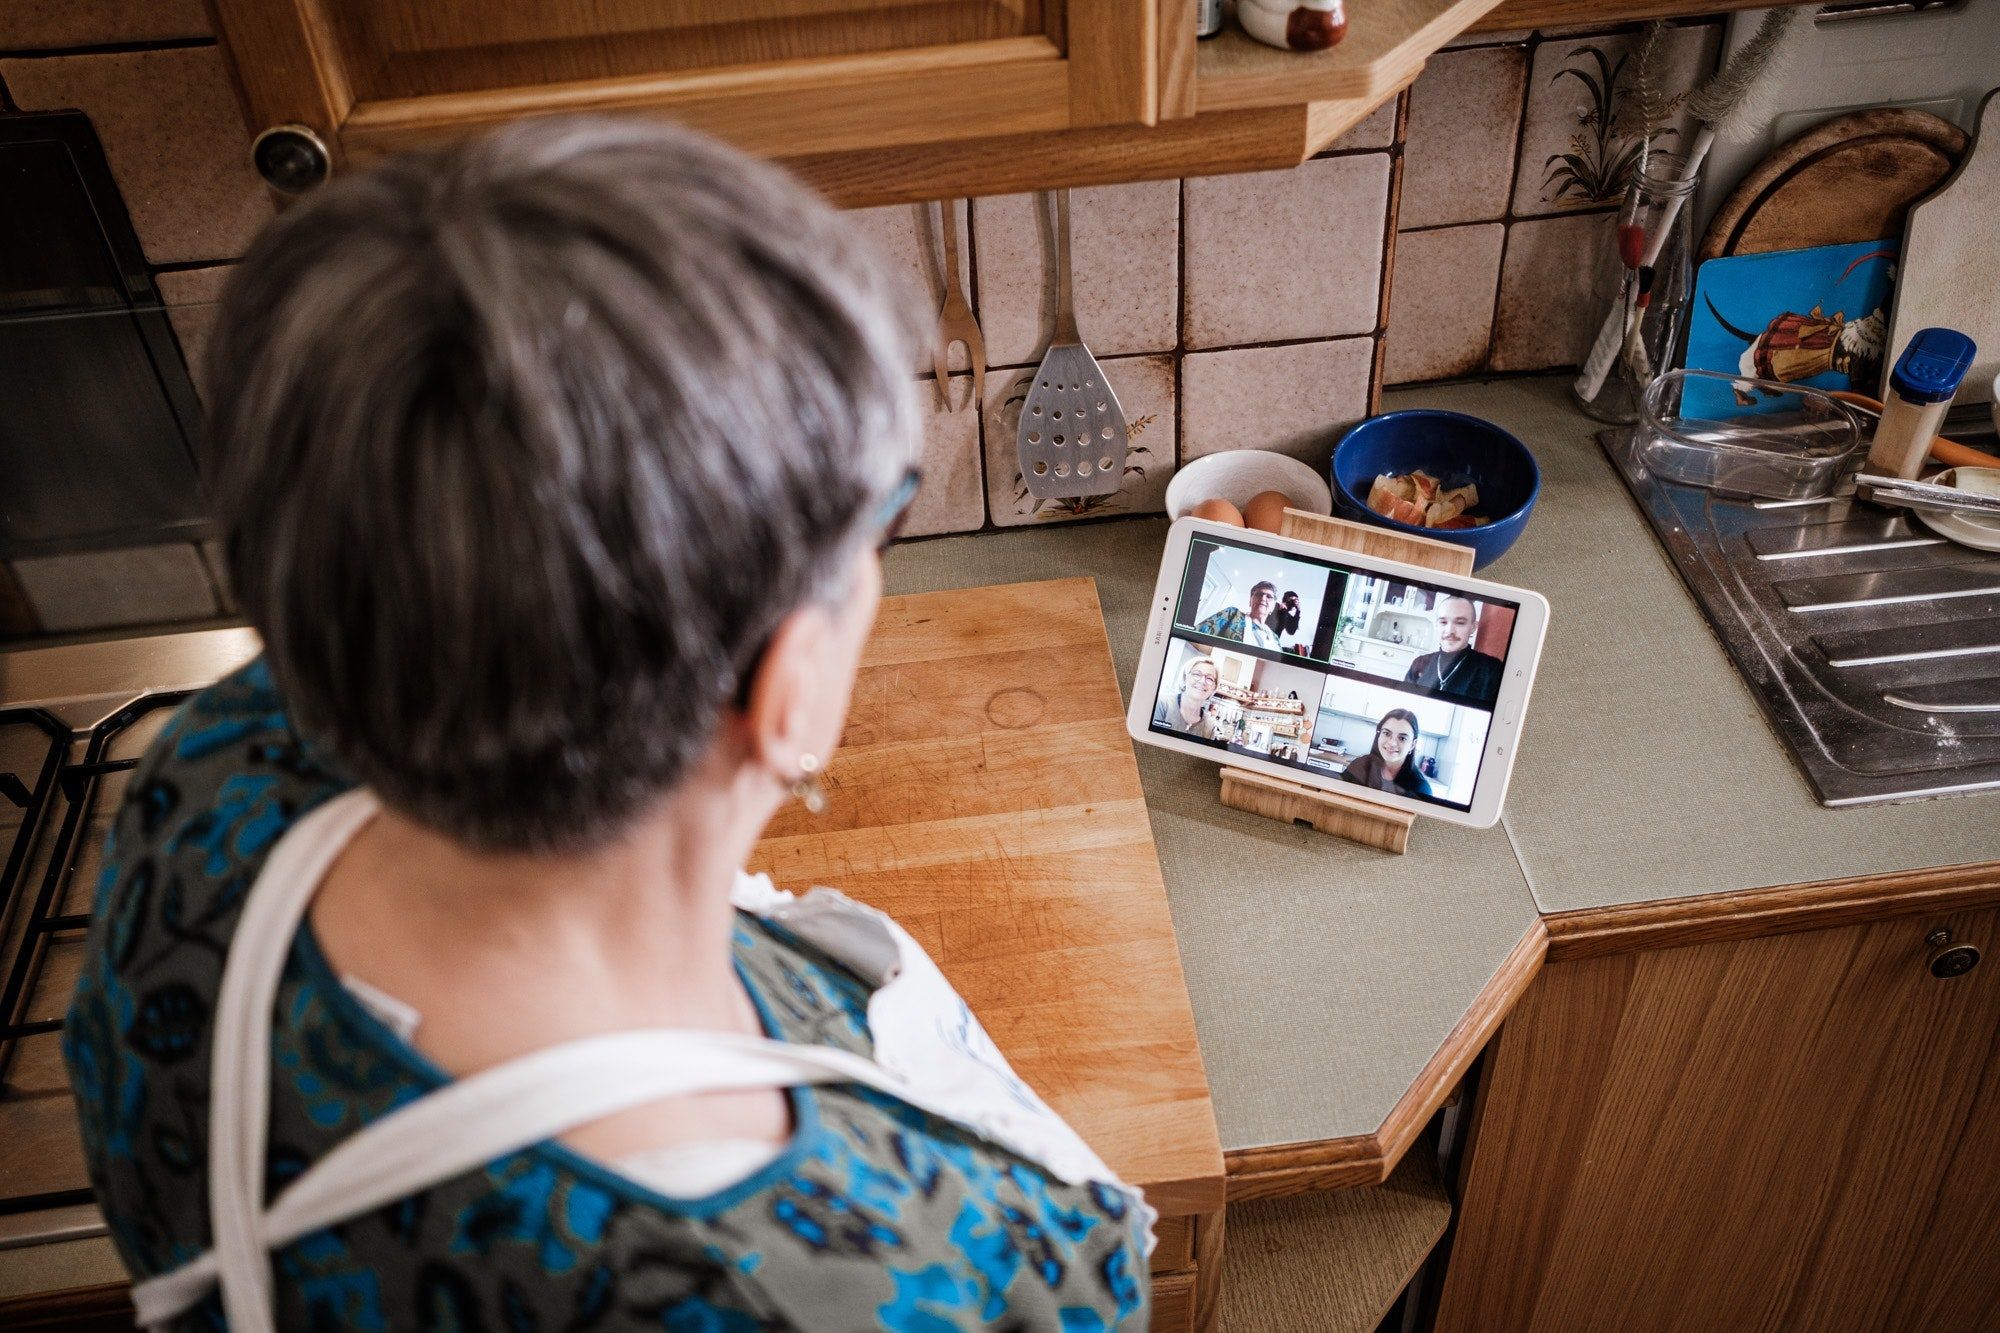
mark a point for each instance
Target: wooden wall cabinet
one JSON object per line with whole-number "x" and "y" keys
{"x": 871, "y": 103}
{"x": 778, "y": 77}
{"x": 1800, "y": 1131}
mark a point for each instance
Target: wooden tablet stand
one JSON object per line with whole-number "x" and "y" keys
{"x": 1355, "y": 817}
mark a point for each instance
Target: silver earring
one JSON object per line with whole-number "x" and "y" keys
{"x": 806, "y": 787}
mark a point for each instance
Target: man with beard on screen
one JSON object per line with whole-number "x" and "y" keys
{"x": 1457, "y": 667}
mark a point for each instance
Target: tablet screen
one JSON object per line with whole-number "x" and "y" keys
{"x": 1380, "y": 681}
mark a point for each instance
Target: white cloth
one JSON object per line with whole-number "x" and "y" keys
{"x": 691, "y": 1170}
{"x": 930, "y": 1052}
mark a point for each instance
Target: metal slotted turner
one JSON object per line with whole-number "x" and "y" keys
{"x": 1072, "y": 439}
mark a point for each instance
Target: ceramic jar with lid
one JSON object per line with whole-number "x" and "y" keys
{"x": 1293, "y": 25}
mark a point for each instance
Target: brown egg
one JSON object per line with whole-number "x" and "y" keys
{"x": 1266, "y": 510}
{"x": 1218, "y": 511}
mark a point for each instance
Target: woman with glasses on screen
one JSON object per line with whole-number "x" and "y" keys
{"x": 1233, "y": 622}
{"x": 425, "y": 986}
{"x": 1186, "y": 710}
{"x": 1391, "y": 762}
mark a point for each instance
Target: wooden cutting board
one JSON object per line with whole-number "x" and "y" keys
{"x": 1851, "y": 178}
{"x": 1951, "y": 259}
{"x": 986, "y": 795}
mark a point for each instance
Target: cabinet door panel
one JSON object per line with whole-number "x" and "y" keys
{"x": 396, "y": 49}
{"x": 786, "y": 78}
{"x": 1800, "y": 1131}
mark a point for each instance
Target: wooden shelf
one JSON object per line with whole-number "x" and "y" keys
{"x": 1333, "y": 1261}
{"x": 1386, "y": 44}
{"x": 1216, "y": 143}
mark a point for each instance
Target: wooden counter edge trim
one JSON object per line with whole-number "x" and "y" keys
{"x": 67, "y": 1307}
{"x": 1273, "y": 1170}
{"x": 1701, "y": 919}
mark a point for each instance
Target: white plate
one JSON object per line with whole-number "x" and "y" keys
{"x": 1236, "y": 475}
{"x": 1976, "y": 531}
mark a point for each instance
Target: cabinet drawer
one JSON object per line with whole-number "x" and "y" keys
{"x": 1173, "y": 1304}
{"x": 1173, "y": 1244}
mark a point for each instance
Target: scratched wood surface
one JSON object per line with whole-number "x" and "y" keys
{"x": 986, "y": 795}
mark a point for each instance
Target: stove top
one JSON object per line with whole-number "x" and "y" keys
{"x": 73, "y": 723}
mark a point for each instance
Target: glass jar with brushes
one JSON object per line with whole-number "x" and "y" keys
{"x": 1651, "y": 275}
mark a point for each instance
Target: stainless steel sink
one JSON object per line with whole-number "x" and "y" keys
{"x": 1873, "y": 643}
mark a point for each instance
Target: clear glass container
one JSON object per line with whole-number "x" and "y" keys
{"x": 1652, "y": 276}
{"x": 1746, "y": 437}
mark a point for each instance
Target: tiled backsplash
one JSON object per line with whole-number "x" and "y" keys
{"x": 1455, "y": 232}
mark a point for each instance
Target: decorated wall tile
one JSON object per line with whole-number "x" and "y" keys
{"x": 1580, "y": 135}
{"x": 174, "y": 137}
{"x": 1441, "y": 302}
{"x": 1145, "y": 389}
{"x": 1458, "y": 158}
{"x": 909, "y": 240}
{"x": 1555, "y": 283}
{"x": 1296, "y": 399}
{"x": 1277, "y": 255}
{"x": 1125, "y": 270}
{"x": 952, "y": 498}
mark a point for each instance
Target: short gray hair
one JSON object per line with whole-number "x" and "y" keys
{"x": 524, "y": 447}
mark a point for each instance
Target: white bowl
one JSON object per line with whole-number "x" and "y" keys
{"x": 1236, "y": 475}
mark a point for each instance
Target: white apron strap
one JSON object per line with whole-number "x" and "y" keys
{"x": 240, "y": 1065}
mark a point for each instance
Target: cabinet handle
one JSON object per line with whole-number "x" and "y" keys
{"x": 1950, "y": 960}
{"x": 291, "y": 158}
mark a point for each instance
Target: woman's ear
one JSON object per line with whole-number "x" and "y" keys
{"x": 797, "y": 701}
{"x": 786, "y": 696}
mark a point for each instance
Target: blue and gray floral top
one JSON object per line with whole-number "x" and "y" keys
{"x": 876, "y": 1216}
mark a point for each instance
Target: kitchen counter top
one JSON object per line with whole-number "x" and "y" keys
{"x": 1329, "y": 982}
{"x": 1326, "y": 977}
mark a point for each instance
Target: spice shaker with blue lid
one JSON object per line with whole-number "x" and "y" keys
{"x": 1921, "y": 387}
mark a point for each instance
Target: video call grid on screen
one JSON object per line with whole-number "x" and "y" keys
{"x": 1353, "y": 647}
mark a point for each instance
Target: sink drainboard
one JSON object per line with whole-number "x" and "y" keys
{"x": 1873, "y": 643}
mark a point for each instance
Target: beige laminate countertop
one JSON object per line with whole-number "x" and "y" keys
{"x": 1324, "y": 975}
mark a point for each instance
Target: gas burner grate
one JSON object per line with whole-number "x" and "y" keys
{"x": 54, "y": 835}
{"x": 77, "y": 784}
{"x": 32, "y": 802}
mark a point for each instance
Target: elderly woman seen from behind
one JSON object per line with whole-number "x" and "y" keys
{"x": 553, "y": 469}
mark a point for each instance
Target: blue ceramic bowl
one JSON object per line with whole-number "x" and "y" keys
{"x": 1454, "y": 448}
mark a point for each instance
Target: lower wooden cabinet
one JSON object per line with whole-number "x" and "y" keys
{"x": 1173, "y": 1303}
{"x": 1799, "y": 1131}
{"x": 1187, "y": 1273}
